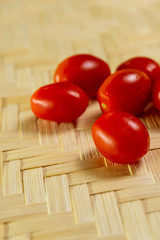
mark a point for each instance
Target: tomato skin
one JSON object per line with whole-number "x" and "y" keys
{"x": 84, "y": 70}
{"x": 59, "y": 102}
{"x": 126, "y": 90}
{"x": 120, "y": 137}
{"x": 156, "y": 93}
{"x": 144, "y": 64}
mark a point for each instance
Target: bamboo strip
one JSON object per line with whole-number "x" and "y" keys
{"x": 139, "y": 167}
{"x": 34, "y": 186}
{"x": 8, "y": 134}
{"x": 45, "y": 72}
{"x": 12, "y": 184}
{"x": 12, "y": 52}
{"x": 113, "y": 214}
{"x": 73, "y": 166}
{"x": 81, "y": 204}
{"x": 13, "y": 92}
{"x": 20, "y": 212}
{"x": 68, "y": 236}
{"x": 86, "y": 145}
{"x": 1, "y": 104}
{"x": 1, "y": 72}
{"x": 154, "y": 220}
{"x": 67, "y": 137}
{"x": 98, "y": 174}
{"x": 10, "y": 16}
{"x": 41, "y": 222}
{"x": 110, "y": 44}
{"x": 10, "y": 112}
{"x": 41, "y": 78}
{"x": 153, "y": 164}
{"x": 23, "y": 107}
{"x": 21, "y": 99}
{"x": 2, "y": 231}
{"x": 155, "y": 143}
{"x": 29, "y": 59}
{"x": 17, "y": 143}
{"x": 154, "y": 132}
{"x": 119, "y": 183}
{"x": 30, "y": 152}
{"x": 135, "y": 221}
{"x": 107, "y": 216}
{"x": 1, "y": 167}
{"x": 142, "y": 28}
{"x": 12, "y": 201}
{"x": 24, "y": 77}
{"x": 12, "y": 39}
{"x": 21, "y": 237}
{"x": 28, "y": 125}
{"x": 151, "y": 119}
{"x": 48, "y": 132}
{"x": 140, "y": 192}
{"x": 1, "y": 193}
{"x": 87, "y": 232}
{"x": 57, "y": 193}
{"x": 151, "y": 204}
{"x": 9, "y": 74}
{"x": 61, "y": 48}
{"x": 49, "y": 159}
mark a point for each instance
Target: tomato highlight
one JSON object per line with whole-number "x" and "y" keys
{"x": 144, "y": 64}
{"x": 120, "y": 137}
{"x": 84, "y": 70}
{"x": 59, "y": 102}
{"x": 126, "y": 90}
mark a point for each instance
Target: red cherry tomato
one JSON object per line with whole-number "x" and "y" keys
{"x": 59, "y": 102}
{"x": 120, "y": 137}
{"x": 127, "y": 90}
{"x": 86, "y": 71}
{"x": 144, "y": 64}
{"x": 156, "y": 93}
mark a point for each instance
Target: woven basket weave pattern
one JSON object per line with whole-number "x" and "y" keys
{"x": 54, "y": 184}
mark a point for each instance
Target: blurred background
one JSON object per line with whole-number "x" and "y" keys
{"x": 39, "y": 33}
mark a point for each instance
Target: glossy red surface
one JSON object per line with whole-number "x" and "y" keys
{"x": 84, "y": 70}
{"x": 60, "y": 102}
{"x": 147, "y": 65}
{"x": 156, "y": 93}
{"x": 127, "y": 90}
{"x": 120, "y": 137}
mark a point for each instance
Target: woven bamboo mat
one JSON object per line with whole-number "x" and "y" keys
{"x": 54, "y": 184}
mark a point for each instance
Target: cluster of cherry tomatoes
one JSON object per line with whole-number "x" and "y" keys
{"x": 118, "y": 134}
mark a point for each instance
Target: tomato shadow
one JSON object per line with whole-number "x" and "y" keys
{"x": 31, "y": 126}
{"x": 28, "y": 126}
{"x": 100, "y": 169}
{"x": 149, "y": 111}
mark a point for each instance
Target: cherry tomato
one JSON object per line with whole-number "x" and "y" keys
{"x": 144, "y": 64}
{"x": 59, "y": 102}
{"x": 127, "y": 90}
{"x": 86, "y": 71}
{"x": 156, "y": 93}
{"x": 120, "y": 137}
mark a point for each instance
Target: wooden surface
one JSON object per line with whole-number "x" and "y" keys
{"x": 54, "y": 184}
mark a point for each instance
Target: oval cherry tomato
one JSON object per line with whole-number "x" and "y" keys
{"x": 59, "y": 102}
{"x": 144, "y": 64}
{"x": 127, "y": 90}
{"x": 120, "y": 137}
{"x": 86, "y": 71}
{"x": 156, "y": 93}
